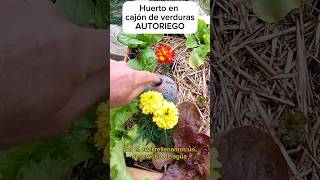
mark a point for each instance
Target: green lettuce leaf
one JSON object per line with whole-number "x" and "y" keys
{"x": 134, "y": 64}
{"x": 148, "y": 59}
{"x": 86, "y": 13}
{"x": 138, "y": 40}
{"x": 202, "y": 29}
{"x": 130, "y": 40}
{"x": 118, "y": 118}
{"x": 206, "y": 38}
{"x": 79, "y": 12}
{"x": 205, "y": 5}
{"x": 151, "y": 39}
{"x": 100, "y": 20}
{"x": 39, "y": 171}
{"x": 200, "y": 42}
{"x": 71, "y": 148}
{"x": 147, "y": 62}
{"x": 118, "y": 166}
{"x": 191, "y": 41}
{"x": 198, "y": 55}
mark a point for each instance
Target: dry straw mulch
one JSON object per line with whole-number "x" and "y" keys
{"x": 260, "y": 70}
{"x": 192, "y": 85}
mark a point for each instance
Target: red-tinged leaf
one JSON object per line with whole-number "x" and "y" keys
{"x": 186, "y": 135}
{"x": 179, "y": 171}
{"x": 174, "y": 172}
{"x": 206, "y": 168}
{"x": 183, "y": 137}
{"x": 160, "y": 163}
{"x": 188, "y": 125}
{"x": 202, "y": 141}
{"x": 250, "y": 153}
{"x": 189, "y": 115}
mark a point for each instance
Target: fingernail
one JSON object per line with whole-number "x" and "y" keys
{"x": 158, "y": 83}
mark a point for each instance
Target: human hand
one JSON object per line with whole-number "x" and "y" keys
{"x": 126, "y": 83}
{"x": 51, "y": 71}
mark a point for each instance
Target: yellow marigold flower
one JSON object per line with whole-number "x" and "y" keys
{"x": 165, "y": 114}
{"x": 167, "y": 117}
{"x": 150, "y": 102}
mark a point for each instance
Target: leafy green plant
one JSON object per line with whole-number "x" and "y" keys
{"x": 54, "y": 157}
{"x": 115, "y": 12}
{"x": 118, "y": 132}
{"x": 274, "y": 10}
{"x": 215, "y": 165}
{"x": 200, "y": 44}
{"x": 149, "y": 131}
{"x": 146, "y": 62}
{"x": 138, "y": 40}
{"x": 201, "y": 101}
{"x": 121, "y": 137}
{"x": 291, "y": 127}
{"x": 205, "y": 5}
{"x": 86, "y": 13}
{"x": 134, "y": 140}
{"x": 100, "y": 20}
{"x": 118, "y": 168}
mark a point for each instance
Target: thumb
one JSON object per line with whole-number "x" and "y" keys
{"x": 144, "y": 78}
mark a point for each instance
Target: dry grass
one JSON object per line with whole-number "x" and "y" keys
{"x": 260, "y": 70}
{"x": 192, "y": 84}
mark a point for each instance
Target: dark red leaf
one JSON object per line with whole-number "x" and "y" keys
{"x": 174, "y": 172}
{"x": 189, "y": 115}
{"x": 188, "y": 126}
{"x": 186, "y": 135}
{"x": 183, "y": 136}
{"x": 160, "y": 163}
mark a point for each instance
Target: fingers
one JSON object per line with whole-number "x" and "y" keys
{"x": 92, "y": 48}
{"x": 136, "y": 92}
{"x": 87, "y": 94}
{"x": 144, "y": 78}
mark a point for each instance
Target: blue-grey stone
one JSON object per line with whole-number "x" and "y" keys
{"x": 168, "y": 88}
{"x": 170, "y": 91}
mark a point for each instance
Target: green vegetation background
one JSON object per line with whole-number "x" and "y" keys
{"x": 56, "y": 157}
